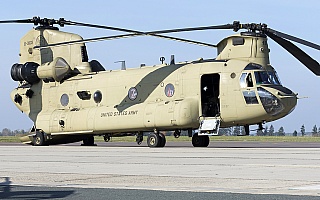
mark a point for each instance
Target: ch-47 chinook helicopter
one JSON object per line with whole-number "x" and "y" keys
{"x": 70, "y": 98}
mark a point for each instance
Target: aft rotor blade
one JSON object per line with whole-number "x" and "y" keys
{"x": 122, "y": 36}
{"x": 37, "y": 21}
{"x": 16, "y": 21}
{"x": 226, "y": 26}
{"x": 102, "y": 27}
{"x": 304, "y": 58}
{"x": 134, "y": 33}
{"x": 86, "y": 40}
{"x": 294, "y": 39}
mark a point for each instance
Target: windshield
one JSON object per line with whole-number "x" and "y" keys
{"x": 267, "y": 77}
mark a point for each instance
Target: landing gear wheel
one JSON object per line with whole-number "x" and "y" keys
{"x": 177, "y": 133}
{"x": 163, "y": 140}
{"x": 89, "y": 141}
{"x": 196, "y": 140}
{"x": 200, "y": 141}
{"x": 106, "y": 138}
{"x": 39, "y": 139}
{"x": 153, "y": 140}
{"x": 205, "y": 141}
{"x": 139, "y": 138}
{"x": 247, "y": 129}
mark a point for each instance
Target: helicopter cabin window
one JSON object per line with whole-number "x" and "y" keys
{"x": 246, "y": 80}
{"x": 210, "y": 95}
{"x": 169, "y": 90}
{"x": 267, "y": 77}
{"x": 250, "y": 97}
{"x": 64, "y": 100}
{"x": 97, "y": 96}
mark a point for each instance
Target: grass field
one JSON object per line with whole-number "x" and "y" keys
{"x": 185, "y": 138}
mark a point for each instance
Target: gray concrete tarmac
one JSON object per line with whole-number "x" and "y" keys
{"x": 213, "y": 144}
{"x": 240, "y": 171}
{"x": 35, "y": 193}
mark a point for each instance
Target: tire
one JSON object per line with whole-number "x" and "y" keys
{"x": 163, "y": 140}
{"x": 200, "y": 141}
{"x": 153, "y": 140}
{"x": 196, "y": 140}
{"x": 39, "y": 139}
{"x": 89, "y": 141}
{"x": 206, "y": 141}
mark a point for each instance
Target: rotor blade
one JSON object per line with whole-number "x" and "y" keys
{"x": 226, "y": 26}
{"x": 136, "y": 33}
{"x": 304, "y": 58}
{"x": 122, "y": 36}
{"x": 102, "y": 27}
{"x": 16, "y": 21}
{"x": 37, "y": 21}
{"x": 86, "y": 40}
{"x": 184, "y": 40}
{"x": 295, "y": 39}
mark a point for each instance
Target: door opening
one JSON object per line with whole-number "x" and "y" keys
{"x": 210, "y": 103}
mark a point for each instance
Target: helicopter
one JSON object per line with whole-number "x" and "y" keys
{"x": 71, "y": 99}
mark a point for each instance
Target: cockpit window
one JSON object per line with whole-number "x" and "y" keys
{"x": 253, "y": 66}
{"x": 267, "y": 77}
{"x": 246, "y": 80}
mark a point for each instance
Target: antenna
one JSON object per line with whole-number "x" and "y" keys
{"x": 123, "y": 64}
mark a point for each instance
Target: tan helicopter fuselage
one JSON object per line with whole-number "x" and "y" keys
{"x": 174, "y": 96}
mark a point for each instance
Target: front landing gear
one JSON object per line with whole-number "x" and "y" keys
{"x": 200, "y": 141}
{"x": 156, "y": 140}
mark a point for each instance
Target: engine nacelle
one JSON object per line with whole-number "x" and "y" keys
{"x": 33, "y": 73}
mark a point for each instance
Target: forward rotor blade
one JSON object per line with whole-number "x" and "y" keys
{"x": 295, "y": 39}
{"x": 226, "y": 26}
{"x": 304, "y": 58}
{"x": 184, "y": 40}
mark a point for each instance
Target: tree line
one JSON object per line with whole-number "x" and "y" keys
{"x": 232, "y": 131}
{"x": 8, "y": 132}
{"x": 270, "y": 131}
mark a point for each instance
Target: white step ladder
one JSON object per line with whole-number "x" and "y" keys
{"x": 209, "y": 126}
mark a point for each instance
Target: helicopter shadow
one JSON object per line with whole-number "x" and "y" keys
{"x": 9, "y": 191}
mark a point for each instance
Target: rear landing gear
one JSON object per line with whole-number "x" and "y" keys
{"x": 177, "y": 133}
{"x": 139, "y": 138}
{"x": 89, "y": 141}
{"x": 39, "y": 139}
{"x": 200, "y": 141}
{"x": 107, "y": 137}
{"x": 156, "y": 140}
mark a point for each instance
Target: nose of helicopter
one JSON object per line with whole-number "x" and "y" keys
{"x": 289, "y": 102}
{"x": 278, "y": 101}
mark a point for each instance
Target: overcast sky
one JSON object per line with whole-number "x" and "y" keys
{"x": 294, "y": 17}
